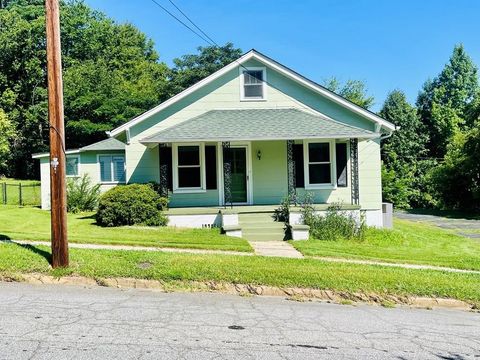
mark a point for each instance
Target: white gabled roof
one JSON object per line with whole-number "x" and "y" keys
{"x": 253, "y": 54}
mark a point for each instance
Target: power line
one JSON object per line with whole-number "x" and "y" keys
{"x": 191, "y": 22}
{"x": 181, "y": 22}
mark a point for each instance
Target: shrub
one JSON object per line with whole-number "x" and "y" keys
{"x": 134, "y": 204}
{"x": 82, "y": 195}
{"x": 282, "y": 213}
{"x": 334, "y": 225}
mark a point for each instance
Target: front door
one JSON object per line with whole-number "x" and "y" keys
{"x": 239, "y": 174}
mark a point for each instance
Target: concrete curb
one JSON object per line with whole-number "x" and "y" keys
{"x": 291, "y": 293}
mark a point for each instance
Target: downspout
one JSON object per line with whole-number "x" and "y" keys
{"x": 383, "y": 137}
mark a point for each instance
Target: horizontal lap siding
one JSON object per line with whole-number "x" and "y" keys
{"x": 370, "y": 174}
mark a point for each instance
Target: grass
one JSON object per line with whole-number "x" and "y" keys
{"x": 409, "y": 242}
{"x": 34, "y": 224}
{"x": 173, "y": 268}
{"x": 30, "y": 192}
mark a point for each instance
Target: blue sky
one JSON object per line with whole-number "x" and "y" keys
{"x": 388, "y": 44}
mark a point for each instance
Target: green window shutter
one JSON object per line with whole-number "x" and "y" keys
{"x": 299, "y": 173}
{"x": 342, "y": 159}
{"x": 211, "y": 166}
{"x": 166, "y": 159}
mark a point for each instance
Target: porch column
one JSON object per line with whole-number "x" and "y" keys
{"x": 354, "y": 171}
{"x": 227, "y": 173}
{"x": 163, "y": 173}
{"x": 291, "y": 171}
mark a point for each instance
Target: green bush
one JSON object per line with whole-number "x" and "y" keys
{"x": 334, "y": 225}
{"x": 134, "y": 204}
{"x": 82, "y": 195}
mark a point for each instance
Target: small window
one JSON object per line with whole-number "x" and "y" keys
{"x": 319, "y": 164}
{"x": 112, "y": 168}
{"x": 189, "y": 167}
{"x": 253, "y": 84}
{"x": 72, "y": 166}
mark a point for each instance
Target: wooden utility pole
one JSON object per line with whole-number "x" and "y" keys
{"x": 58, "y": 196}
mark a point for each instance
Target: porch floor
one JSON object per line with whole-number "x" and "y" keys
{"x": 245, "y": 209}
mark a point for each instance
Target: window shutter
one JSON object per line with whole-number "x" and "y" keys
{"x": 118, "y": 168}
{"x": 166, "y": 159}
{"x": 299, "y": 173}
{"x": 105, "y": 168}
{"x": 341, "y": 159}
{"x": 211, "y": 166}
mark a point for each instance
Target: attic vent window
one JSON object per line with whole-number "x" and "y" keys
{"x": 253, "y": 84}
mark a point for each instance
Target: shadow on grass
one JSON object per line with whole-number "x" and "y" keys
{"x": 451, "y": 214}
{"x": 34, "y": 249}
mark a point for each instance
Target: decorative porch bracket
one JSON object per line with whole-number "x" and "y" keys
{"x": 163, "y": 175}
{"x": 292, "y": 193}
{"x": 354, "y": 171}
{"x": 227, "y": 173}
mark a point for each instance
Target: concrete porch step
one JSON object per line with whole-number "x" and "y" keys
{"x": 261, "y": 227}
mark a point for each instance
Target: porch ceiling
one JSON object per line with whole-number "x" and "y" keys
{"x": 257, "y": 124}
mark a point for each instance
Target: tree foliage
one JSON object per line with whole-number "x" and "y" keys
{"x": 353, "y": 90}
{"x": 403, "y": 151}
{"x": 111, "y": 74}
{"x": 6, "y": 134}
{"x": 191, "y": 68}
{"x": 445, "y": 101}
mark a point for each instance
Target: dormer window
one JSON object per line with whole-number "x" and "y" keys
{"x": 252, "y": 83}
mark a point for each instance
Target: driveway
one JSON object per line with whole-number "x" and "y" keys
{"x": 466, "y": 227}
{"x": 67, "y": 322}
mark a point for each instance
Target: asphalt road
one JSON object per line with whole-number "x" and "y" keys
{"x": 66, "y": 322}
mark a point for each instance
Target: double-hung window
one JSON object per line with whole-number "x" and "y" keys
{"x": 189, "y": 169}
{"x": 253, "y": 84}
{"x": 112, "y": 168}
{"x": 72, "y": 166}
{"x": 319, "y": 165}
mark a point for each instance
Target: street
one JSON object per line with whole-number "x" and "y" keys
{"x": 68, "y": 322}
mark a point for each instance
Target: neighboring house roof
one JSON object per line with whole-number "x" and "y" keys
{"x": 257, "y": 124}
{"x": 253, "y": 54}
{"x": 110, "y": 144}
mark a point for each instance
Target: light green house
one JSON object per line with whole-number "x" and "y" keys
{"x": 249, "y": 134}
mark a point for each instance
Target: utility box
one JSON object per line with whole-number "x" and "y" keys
{"x": 387, "y": 213}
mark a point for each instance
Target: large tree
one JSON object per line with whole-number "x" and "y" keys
{"x": 353, "y": 90}
{"x": 403, "y": 152}
{"x": 111, "y": 73}
{"x": 444, "y": 102}
{"x": 6, "y": 134}
{"x": 191, "y": 68}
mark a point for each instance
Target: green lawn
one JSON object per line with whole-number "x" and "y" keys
{"x": 175, "y": 269}
{"x": 34, "y": 224}
{"x": 409, "y": 242}
{"x": 30, "y": 190}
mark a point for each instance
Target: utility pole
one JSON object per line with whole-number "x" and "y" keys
{"x": 58, "y": 196}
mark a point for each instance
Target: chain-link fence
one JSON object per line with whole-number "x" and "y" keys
{"x": 21, "y": 194}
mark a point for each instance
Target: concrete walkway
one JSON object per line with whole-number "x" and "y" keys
{"x": 132, "y": 248}
{"x": 261, "y": 248}
{"x": 275, "y": 248}
{"x": 397, "y": 265}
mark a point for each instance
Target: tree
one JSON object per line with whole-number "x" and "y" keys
{"x": 402, "y": 153}
{"x": 353, "y": 90}
{"x": 191, "y": 68}
{"x": 6, "y": 134}
{"x": 458, "y": 178}
{"x": 111, "y": 74}
{"x": 444, "y": 102}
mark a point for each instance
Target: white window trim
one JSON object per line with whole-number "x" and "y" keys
{"x": 242, "y": 83}
{"x": 333, "y": 167}
{"x": 203, "y": 181}
{"x": 78, "y": 165}
{"x": 111, "y": 169}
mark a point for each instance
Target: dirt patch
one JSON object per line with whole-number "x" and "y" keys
{"x": 291, "y": 293}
